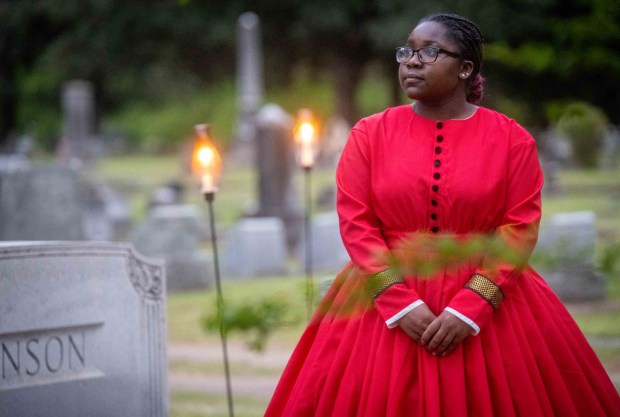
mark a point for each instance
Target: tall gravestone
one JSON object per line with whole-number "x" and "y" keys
{"x": 249, "y": 75}
{"x": 82, "y": 331}
{"x": 275, "y": 162}
{"x": 78, "y": 107}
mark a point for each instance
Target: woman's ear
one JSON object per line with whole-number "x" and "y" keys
{"x": 466, "y": 69}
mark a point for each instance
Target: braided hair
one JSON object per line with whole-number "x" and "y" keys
{"x": 469, "y": 40}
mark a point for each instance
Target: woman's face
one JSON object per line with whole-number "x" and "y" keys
{"x": 437, "y": 82}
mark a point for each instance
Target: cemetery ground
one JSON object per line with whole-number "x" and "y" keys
{"x": 195, "y": 358}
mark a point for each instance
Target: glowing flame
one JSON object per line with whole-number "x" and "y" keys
{"x": 206, "y": 161}
{"x": 306, "y": 138}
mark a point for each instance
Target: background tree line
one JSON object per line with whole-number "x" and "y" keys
{"x": 539, "y": 53}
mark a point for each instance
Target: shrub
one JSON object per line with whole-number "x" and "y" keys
{"x": 584, "y": 125}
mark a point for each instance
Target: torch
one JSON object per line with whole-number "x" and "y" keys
{"x": 207, "y": 166}
{"x": 305, "y": 134}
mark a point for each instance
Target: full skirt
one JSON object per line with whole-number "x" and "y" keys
{"x": 530, "y": 360}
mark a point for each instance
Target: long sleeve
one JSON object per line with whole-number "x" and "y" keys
{"x": 360, "y": 226}
{"x": 518, "y": 229}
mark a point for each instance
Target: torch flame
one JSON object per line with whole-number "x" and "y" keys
{"x": 206, "y": 161}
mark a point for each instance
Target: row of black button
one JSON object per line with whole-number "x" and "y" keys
{"x": 436, "y": 176}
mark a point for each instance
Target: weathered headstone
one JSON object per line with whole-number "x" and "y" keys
{"x": 275, "y": 163}
{"x": 249, "y": 75}
{"x": 10, "y": 163}
{"x": 40, "y": 203}
{"x": 611, "y": 148}
{"x": 328, "y": 251}
{"x": 174, "y": 233}
{"x": 78, "y": 104}
{"x": 82, "y": 331}
{"x": 256, "y": 246}
{"x": 567, "y": 246}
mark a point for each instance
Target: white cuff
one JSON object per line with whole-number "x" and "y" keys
{"x": 391, "y": 322}
{"x": 465, "y": 319}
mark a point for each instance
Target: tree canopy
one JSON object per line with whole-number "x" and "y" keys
{"x": 537, "y": 51}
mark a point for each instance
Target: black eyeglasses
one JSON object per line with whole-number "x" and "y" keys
{"x": 426, "y": 55}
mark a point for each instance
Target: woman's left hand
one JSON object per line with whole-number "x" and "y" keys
{"x": 444, "y": 334}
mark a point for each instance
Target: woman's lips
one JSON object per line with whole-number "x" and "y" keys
{"x": 413, "y": 77}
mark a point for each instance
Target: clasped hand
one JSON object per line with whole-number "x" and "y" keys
{"x": 439, "y": 334}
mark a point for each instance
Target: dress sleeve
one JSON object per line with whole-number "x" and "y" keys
{"x": 518, "y": 229}
{"x": 360, "y": 228}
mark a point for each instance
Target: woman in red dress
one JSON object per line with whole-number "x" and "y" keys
{"x": 476, "y": 341}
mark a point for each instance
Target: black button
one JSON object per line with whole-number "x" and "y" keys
{"x": 434, "y": 216}
{"x": 434, "y": 202}
{"x": 439, "y": 125}
{"x": 435, "y": 188}
{"x": 435, "y": 229}
{"x": 438, "y": 150}
{"x": 439, "y": 138}
{"x": 436, "y": 175}
{"x": 437, "y": 162}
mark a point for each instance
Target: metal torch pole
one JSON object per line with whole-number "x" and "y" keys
{"x": 308, "y": 240}
{"x": 209, "y": 197}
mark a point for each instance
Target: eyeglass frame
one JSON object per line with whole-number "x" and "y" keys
{"x": 414, "y": 51}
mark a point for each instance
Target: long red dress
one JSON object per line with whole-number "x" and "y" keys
{"x": 400, "y": 174}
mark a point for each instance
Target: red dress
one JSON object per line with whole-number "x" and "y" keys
{"x": 402, "y": 174}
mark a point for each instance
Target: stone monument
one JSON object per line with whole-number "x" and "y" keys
{"x": 78, "y": 105}
{"x": 41, "y": 203}
{"x": 275, "y": 162}
{"x": 174, "y": 233}
{"x": 249, "y": 76}
{"x": 82, "y": 331}
{"x": 567, "y": 243}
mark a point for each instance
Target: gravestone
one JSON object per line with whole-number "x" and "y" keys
{"x": 10, "y": 163}
{"x": 567, "y": 244}
{"x": 53, "y": 202}
{"x": 174, "y": 233}
{"x": 328, "y": 251}
{"x": 82, "y": 331}
{"x": 275, "y": 162}
{"x": 250, "y": 87}
{"x": 256, "y": 246}
{"x": 40, "y": 203}
{"x": 78, "y": 105}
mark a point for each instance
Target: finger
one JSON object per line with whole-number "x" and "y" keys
{"x": 437, "y": 339}
{"x": 450, "y": 349}
{"x": 429, "y": 333}
{"x": 445, "y": 345}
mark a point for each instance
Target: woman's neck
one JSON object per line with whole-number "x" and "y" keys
{"x": 456, "y": 109}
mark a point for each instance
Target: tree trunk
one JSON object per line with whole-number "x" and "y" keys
{"x": 347, "y": 75}
{"x": 8, "y": 90}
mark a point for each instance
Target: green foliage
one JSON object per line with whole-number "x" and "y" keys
{"x": 609, "y": 260}
{"x": 164, "y": 127}
{"x": 425, "y": 255}
{"x": 584, "y": 125}
{"x": 256, "y": 319}
{"x": 168, "y": 53}
{"x": 38, "y": 109}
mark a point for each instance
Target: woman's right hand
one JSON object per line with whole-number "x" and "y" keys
{"x": 415, "y": 322}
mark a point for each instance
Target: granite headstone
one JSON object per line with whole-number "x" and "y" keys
{"x": 566, "y": 245}
{"x": 41, "y": 203}
{"x": 174, "y": 233}
{"x": 256, "y": 246}
{"x": 82, "y": 331}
